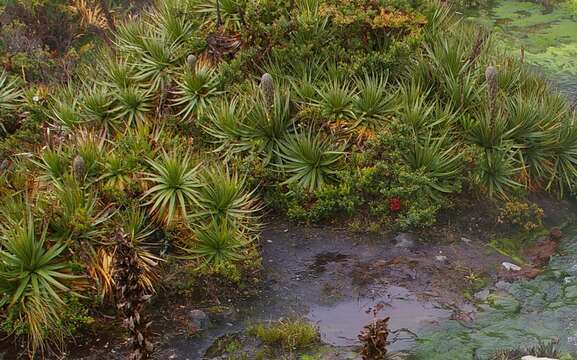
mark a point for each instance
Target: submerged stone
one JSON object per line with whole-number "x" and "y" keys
{"x": 405, "y": 240}
{"x": 571, "y": 292}
{"x": 199, "y": 319}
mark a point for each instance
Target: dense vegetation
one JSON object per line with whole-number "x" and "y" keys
{"x": 166, "y": 143}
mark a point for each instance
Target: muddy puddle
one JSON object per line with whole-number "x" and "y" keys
{"x": 340, "y": 323}
{"x": 337, "y": 279}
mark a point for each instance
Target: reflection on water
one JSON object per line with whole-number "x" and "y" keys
{"x": 340, "y": 323}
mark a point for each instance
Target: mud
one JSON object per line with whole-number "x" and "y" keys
{"x": 335, "y": 278}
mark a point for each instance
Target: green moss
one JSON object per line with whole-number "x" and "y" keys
{"x": 538, "y": 310}
{"x": 287, "y": 334}
{"x": 549, "y": 36}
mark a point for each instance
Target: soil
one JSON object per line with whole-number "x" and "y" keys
{"x": 336, "y": 278}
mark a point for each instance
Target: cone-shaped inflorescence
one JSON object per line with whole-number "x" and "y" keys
{"x": 191, "y": 62}
{"x": 132, "y": 296}
{"x": 79, "y": 167}
{"x": 267, "y": 88}
{"x": 492, "y": 85}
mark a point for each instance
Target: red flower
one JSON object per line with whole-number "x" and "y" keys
{"x": 394, "y": 204}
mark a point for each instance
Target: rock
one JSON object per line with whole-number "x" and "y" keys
{"x": 405, "y": 240}
{"x": 556, "y": 233}
{"x": 199, "y": 319}
{"x": 531, "y": 357}
{"x": 511, "y": 267}
{"x": 222, "y": 314}
{"x": 441, "y": 258}
{"x": 465, "y": 240}
{"x": 482, "y": 295}
{"x": 503, "y": 285}
{"x": 571, "y": 292}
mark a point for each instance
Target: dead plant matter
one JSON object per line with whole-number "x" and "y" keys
{"x": 374, "y": 339}
{"x": 132, "y": 296}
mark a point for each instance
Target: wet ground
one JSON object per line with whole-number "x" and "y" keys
{"x": 436, "y": 288}
{"x": 336, "y": 278}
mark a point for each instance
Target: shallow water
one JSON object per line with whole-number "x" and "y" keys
{"x": 340, "y": 324}
{"x": 548, "y": 35}
{"x": 528, "y": 312}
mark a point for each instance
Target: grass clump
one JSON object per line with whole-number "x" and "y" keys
{"x": 290, "y": 335}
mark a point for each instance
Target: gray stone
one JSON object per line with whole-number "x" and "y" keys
{"x": 531, "y": 357}
{"x": 571, "y": 292}
{"x": 466, "y": 240}
{"x": 511, "y": 267}
{"x": 405, "y": 240}
{"x": 199, "y": 319}
{"x": 482, "y": 295}
{"x": 503, "y": 285}
{"x": 441, "y": 258}
{"x": 222, "y": 314}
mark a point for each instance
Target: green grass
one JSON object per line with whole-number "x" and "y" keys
{"x": 287, "y": 334}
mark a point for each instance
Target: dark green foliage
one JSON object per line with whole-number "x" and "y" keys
{"x": 308, "y": 160}
{"x": 378, "y": 113}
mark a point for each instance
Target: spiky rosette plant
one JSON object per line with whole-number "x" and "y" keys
{"x": 53, "y": 163}
{"x": 265, "y": 127}
{"x": 226, "y": 198}
{"x": 225, "y": 125}
{"x": 195, "y": 91}
{"x": 10, "y": 93}
{"x": 217, "y": 246}
{"x": 114, "y": 73}
{"x": 439, "y": 162}
{"x": 335, "y": 100}
{"x": 415, "y": 109}
{"x": 372, "y": 104}
{"x": 308, "y": 160}
{"x": 170, "y": 22}
{"x": 563, "y": 159}
{"x": 78, "y": 216}
{"x": 34, "y": 276}
{"x": 156, "y": 60}
{"x": 66, "y": 113}
{"x": 118, "y": 171}
{"x": 174, "y": 186}
{"x": 132, "y": 106}
{"x": 496, "y": 172}
{"x": 130, "y": 36}
{"x": 226, "y": 13}
{"x": 96, "y": 105}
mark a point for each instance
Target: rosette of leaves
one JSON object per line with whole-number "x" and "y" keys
{"x": 308, "y": 160}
